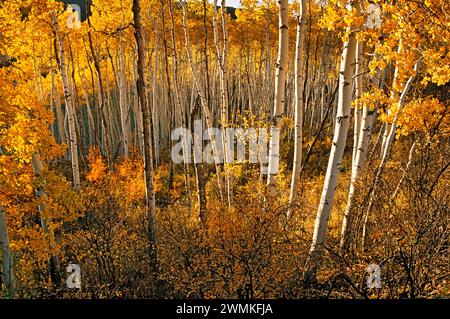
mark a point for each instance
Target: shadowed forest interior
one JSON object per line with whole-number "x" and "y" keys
{"x": 353, "y": 174}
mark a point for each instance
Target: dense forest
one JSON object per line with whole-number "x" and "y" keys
{"x": 188, "y": 149}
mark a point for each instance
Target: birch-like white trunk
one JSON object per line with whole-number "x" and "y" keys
{"x": 359, "y": 160}
{"x": 385, "y": 154}
{"x": 298, "y": 103}
{"x": 181, "y": 107}
{"x": 359, "y": 140}
{"x": 280, "y": 86}
{"x": 7, "y": 272}
{"x": 202, "y": 95}
{"x": 54, "y": 92}
{"x": 68, "y": 98}
{"x": 155, "y": 109}
{"x": 388, "y": 125}
{"x": 222, "y": 61}
{"x": 341, "y": 126}
{"x": 123, "y": 98}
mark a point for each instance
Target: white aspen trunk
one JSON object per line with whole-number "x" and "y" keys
{"x": 123, "y": 99}
{"x": 359, "y": 161}
{"x": 298, "y": 104}
{"x": 68, "y": 97}
{"x": 386, "y": 153}
{"x": 137, "y": 111}
{"x": 359, "y": 136}
{"x": 56, "y": 100}
{"x": 201, "y": 93}
{"x": 7, "y": 271}
{"x": 387, "y": 126}
{"x": 280, "y": 86}
{"x": 222, "y": 61}
{"x": 267, "y": 80}
{"x": 225, "y": 96}
{"x": 358, "y": 93}
{"x": 180, "y": 106}
{"x": 91, "y": 125}
{"x": 337, "y": 149}
{"x": 155, "y": 111}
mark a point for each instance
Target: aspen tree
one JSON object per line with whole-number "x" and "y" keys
{"x": 298, "y": 102}
{"x": 359, "y": 160}
{"x": 385, "y": 155}
{"x": 148, "y": 156}
{"x": 54, "y": 99}
{"x": 123, "y": 97}
{"x": 347, "y": 68}
{"x": 359, "y": 136}
{"x": 203, "y": 99}
{"x": 101, "y": 99}
{"x": 280, "y": 85}
{"x": 155, "y": 104}
{"x": 68, "y": 98}
{"x": 179, "y": 105}
{"x": 7, "y": 271}
{"x": 222, "y": 61}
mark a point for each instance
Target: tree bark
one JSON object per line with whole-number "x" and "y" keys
{"x": 68, "y": 97}
{"x": 298, "y": 104}
{"x": 203, "y": 98}
{"x": 180, "y": 106}
{"x": 7, "y": 272}
{"x": 360, "y": 158}
{"x": 148, "y": 156}
{"x": 280, "y": 86}
{"x": 123, "y": 96}
{"x": 385, "y": 156}
{"x": 347, "y": 68}
{"x": 101, "y": 100}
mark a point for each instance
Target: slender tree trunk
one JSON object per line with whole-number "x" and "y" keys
{"x": 54, "y": 100}
{"x": 137, "y": 110}
{"x": 68, "y": 97}
{"x": 280, "y": 84}
{"x": 199, "y": 167}
{"x": 101, "y": 100}
{"x": 298, "y": 104}
{"x": 181, "y": 107}
{"x": 7, "y": 272}
{"x": 385, "y": 157}
{"x": 360, "y": 159}
{"x": 222, "y": 61}
{"x": 123, "y": 97}
{"x": 155, "y": 108}
{"x": 337, "y": 150}
{"x": 359, "y": 140}
{"x": 387, "y": 126}
{"x": 148, "y": 156}
{"x": 203, "y": 98}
